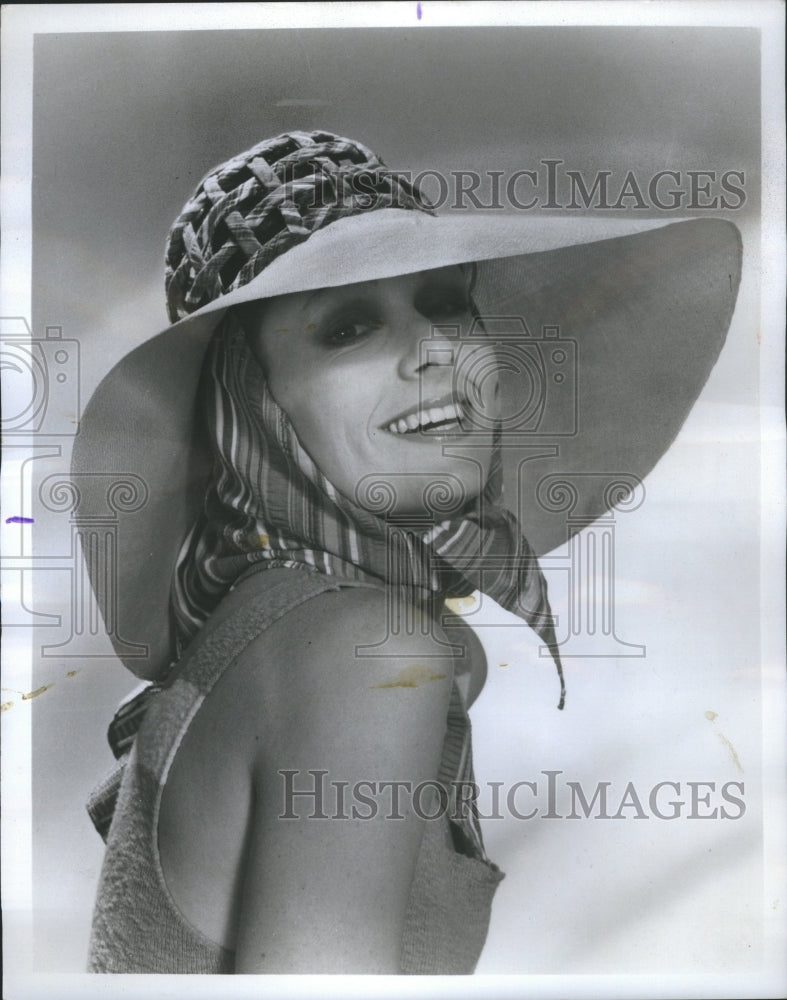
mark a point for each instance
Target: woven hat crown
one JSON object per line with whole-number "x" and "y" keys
{"x": 249, "y": 210}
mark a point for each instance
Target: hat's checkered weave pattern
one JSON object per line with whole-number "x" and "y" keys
{"x": 249, "y": 210}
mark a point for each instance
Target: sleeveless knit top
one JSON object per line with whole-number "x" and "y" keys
{"x": 137, "y": 926}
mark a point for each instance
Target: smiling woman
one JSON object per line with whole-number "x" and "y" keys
{"x": 386, "y": 338}
{"x": 339, "y": 358}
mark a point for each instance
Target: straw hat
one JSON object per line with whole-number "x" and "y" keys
{"x": 613, "y": 328}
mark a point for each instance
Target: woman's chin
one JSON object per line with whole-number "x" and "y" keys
{"x": 436, "y": 494}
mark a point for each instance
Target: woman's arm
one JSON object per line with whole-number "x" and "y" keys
{"x": 330, "y": 894}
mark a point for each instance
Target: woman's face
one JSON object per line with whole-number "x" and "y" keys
{"x": 374, "y": 390}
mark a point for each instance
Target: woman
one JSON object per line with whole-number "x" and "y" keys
{"x": 350, "y": 400}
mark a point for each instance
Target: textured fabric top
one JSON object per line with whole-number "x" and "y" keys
{"x": 137, "y": 926}
{"x": 249, "y": 210}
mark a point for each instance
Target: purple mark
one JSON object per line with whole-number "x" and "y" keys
{"x": 418, "y": 10}
{"x": 20, "y": 520}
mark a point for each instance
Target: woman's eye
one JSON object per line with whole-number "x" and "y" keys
{"x": 347, "y": 332}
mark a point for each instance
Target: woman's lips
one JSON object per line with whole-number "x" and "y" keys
{"x": 434, "y": 417}
{"x": 443, "y": 413}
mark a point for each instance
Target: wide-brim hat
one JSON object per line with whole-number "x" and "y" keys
{"x": 618, "y": 325}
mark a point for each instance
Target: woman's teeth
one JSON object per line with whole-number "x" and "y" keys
{"x": 426, "y": 418}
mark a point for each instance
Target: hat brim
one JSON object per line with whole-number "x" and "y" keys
{"x": 388, "y": 242}
{"x": 641, "y": 310}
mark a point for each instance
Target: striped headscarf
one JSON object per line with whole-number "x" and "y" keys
{"x": 269, "y": 505}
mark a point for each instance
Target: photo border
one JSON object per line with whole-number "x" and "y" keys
{"x": 20, "y": 24}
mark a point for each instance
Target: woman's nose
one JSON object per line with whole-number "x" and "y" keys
{"x": 425, "y": 344}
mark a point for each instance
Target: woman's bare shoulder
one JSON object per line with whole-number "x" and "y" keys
{"x": 337, "y": 667}
{"x": 340, "y": 635}
{"x": 356, "y": 698}
{"x": 335, "y": 684}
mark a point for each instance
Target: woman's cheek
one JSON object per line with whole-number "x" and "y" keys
{"x": 328, "y": 426}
